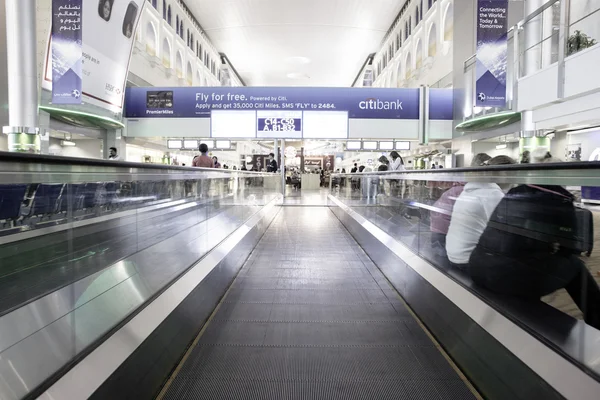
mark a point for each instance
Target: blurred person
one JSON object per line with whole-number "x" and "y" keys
{"x": 470, "y": 216}
{"x": 480, "y": 160}
{"x": 385, "y": 164}
{"x": 112, "y": 154}
{"x": 397, "y": 163}
{"x": 203, "y": 160}
{"x": 355, "y": 169}
{"x": 531, "y": 247}
{"x": 272, "y": 165}
{"x": 440, "y": 220}
{"x": 216, "y": 163}
{"x": 526, "y": 157}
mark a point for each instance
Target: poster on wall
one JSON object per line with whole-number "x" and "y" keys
{"x": 492, "y": 53}
{"x": 66, "y": 51}
{"x": 108, "y": 30}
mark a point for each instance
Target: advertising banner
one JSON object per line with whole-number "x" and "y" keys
{"x": 492, "y": 53}
{"x": 67, "y": 51}
{"x": 441, "y": 104}
{"x": 198, "y": 102}
{"x": 108, "y": 28}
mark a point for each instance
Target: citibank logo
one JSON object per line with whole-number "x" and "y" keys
{"x": 376, "y": 104}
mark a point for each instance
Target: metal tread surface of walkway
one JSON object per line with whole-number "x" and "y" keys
{"x": 311, "y": 317}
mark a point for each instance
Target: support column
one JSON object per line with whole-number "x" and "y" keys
{"x": 44, "y": 131}
{"x": 282, "y": 166}
{"x": 22, "y": 129}
{"x": 276, "y": 152}
{"x": 114, "y": 138}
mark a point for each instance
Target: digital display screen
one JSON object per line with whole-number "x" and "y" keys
{"x": 190, "y": 144}
{"x": 279, "y": 124}
{"x": 402, "y": 145}
{"x": 325, "y": 125}
{"x": 209, "y": 143}
{"x": 369, "y": 145}
{"x": 223, "y": 144}
{"x": 174, "y": 144}
{"x": 353, "y": 145}
{"x": 233, "y": 124}
{"x": 386, "y": 145}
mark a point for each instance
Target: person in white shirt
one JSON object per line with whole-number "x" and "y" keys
{"x": 112, "y": 154}
{"x": 470, "y": 216}
{"x": 397, "y": 162}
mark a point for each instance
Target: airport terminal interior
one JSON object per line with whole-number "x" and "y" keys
{"x": 300, "y": 199}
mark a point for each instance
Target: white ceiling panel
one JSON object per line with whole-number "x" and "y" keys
{"x": 296, "y": 42}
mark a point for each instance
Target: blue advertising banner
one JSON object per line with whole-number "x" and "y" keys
{"x": 492, "y": 53}
{"x": 441, "y": 104}
{"x": 67, "y": 51}
{"x": 198, "y": 102}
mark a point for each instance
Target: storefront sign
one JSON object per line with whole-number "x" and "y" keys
{"x": 492, "y": 53}
{"x": 198, "y": 102}
{"x": 67, "y": 53}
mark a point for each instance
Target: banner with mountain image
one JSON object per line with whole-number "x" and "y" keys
{"x": 67, "y": 51}
{"x": 492, "y": 53}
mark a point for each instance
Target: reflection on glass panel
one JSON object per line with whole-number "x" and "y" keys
{"x": 524, "y": 240}
{"x": 103, "y": 243}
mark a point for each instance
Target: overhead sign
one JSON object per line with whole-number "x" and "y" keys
{"x": 275, "y": 124}
{"x": 66, "y": 51}
{"x": 107, "y": 29}
{"x": 441, "y": 104}
{"x": 492, "y": 53}
{"x": 198, "y": 102}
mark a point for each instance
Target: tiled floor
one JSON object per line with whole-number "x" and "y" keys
{"x": 311, "y": 317}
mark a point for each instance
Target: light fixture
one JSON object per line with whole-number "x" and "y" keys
{"x": 67, "y": 143}
{"x": 353, "y": 145}
{"x": 190, "y": 144}
{"x": 386, "y": 145}
{"x": 402, "y": 145}
{"x": 173, "y": 144}
{"x": 369, "y": 145}
{"x": 501, "y": 146}
{"x": 223, "y": 144}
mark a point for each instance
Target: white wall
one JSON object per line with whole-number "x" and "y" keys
{"x": 433, "y": 69}
{"x": 581, "y": 103}
{"x": 89, "y": 148}
{"x": 149, "y": 55}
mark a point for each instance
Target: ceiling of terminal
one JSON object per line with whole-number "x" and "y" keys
{"x": 296, "y": 42}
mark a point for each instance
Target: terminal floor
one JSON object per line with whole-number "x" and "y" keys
{"x": 311, "y": 317}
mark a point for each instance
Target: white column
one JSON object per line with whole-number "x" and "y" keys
{"x": 22, "y": 71}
